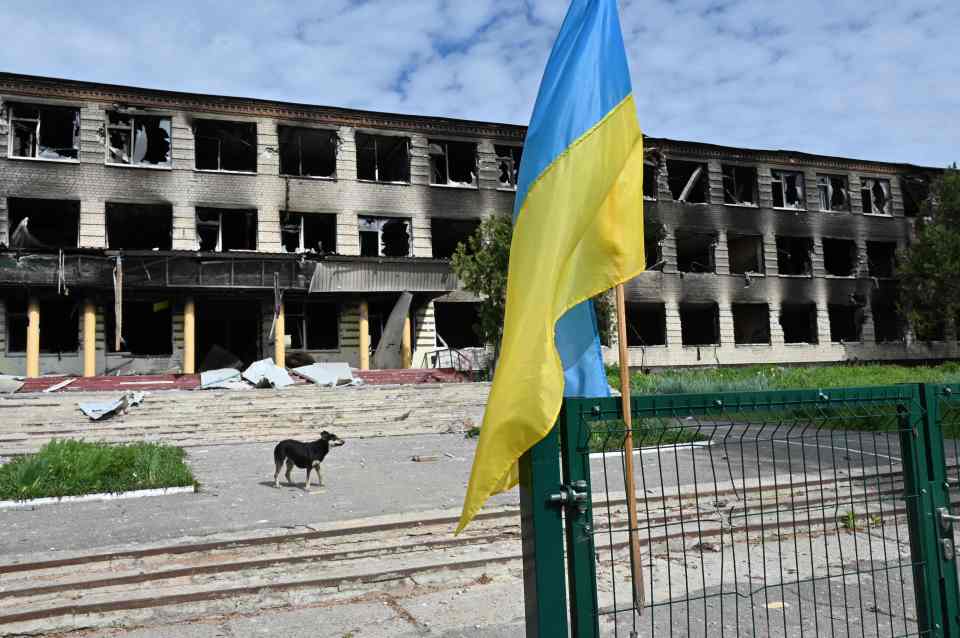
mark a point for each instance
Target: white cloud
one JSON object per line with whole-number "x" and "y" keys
{"x": 825, "y": 76}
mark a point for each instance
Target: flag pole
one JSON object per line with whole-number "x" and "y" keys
{"x": 636, "y": 565}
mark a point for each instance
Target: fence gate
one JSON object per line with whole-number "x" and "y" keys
{"x": 783, "y": 513}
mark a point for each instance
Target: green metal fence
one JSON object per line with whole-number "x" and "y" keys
{"x": 786, "y": 513}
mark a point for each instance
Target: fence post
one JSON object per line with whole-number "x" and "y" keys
{"x": 939, "y": 502}
{"x": 541, "y": 525}
{"x": 581, "y": 551}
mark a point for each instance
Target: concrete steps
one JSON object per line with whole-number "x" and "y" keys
{"x": 208, "y": 417}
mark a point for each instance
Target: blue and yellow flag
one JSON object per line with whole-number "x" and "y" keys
{"x": 578, "y": 231}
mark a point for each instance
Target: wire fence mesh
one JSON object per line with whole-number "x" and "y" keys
{"x": 762, "y": 514}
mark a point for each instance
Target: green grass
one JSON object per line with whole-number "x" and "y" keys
{"x": 758, "y": 378}
{"x": 72, "y": 468}
{"x": 609, "y": 436}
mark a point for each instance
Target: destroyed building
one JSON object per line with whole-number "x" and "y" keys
{"x": 155, "y": 231}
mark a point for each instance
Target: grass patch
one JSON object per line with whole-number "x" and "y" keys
{"x": 759, "y": 378}
{"x": 609, "y": 436}
{"x": 72, "y": 468}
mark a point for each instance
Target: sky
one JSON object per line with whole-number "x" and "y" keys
{"x": 874, "y": 80}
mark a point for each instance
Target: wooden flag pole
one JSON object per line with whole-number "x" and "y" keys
{"x": 639, "y": 595}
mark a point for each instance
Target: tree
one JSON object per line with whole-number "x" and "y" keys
{"x": 481, "y": 264}
{"x": 930, "y": 267}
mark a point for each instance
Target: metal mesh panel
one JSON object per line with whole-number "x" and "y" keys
{"x": 766, "y": 514}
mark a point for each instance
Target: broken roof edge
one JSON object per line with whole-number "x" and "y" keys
{"x": 45, "y": 87}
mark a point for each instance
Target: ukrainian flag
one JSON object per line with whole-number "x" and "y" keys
{"x": 578, "y": 231}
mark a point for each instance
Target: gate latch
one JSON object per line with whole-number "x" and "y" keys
{"x": 572, "y": 495}
{"x": 946, "y": 519}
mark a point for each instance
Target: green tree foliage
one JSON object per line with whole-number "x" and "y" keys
{"x": 481, "y": 264}
{"x": 930, "y": 267}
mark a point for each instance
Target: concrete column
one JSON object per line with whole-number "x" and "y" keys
{"x": 33, "y": 338}
{"x": 364, "y": 336}
{"x": 89, "y": 339}
{"x": 280, "y": 339}
{"x": 189, "y": 335}
{"x": 406, "y": 352}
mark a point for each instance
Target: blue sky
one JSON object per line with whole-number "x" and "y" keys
{"x": 877, "y": 80}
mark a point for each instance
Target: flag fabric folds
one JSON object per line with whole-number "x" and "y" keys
{"x": 578, "y": 231}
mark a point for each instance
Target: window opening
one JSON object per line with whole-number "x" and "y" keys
{"x": 384, "y": 237}
{"x": 307, "y": 152}
{"x": 147, "y": 328}
{"x": 383, "y": 158}
{"x": 222, "y": 229}
{"x": 833, "y": 192}
{"x": 646, "y": 324}
{"x": 312, "y": 325}
{"x": 139, "y": 226}
{"x": 888, "y": 325}
{"x": 740, "y": 185}
{"x": 456, "y": 324}
{"x": 751, "y": 324}
{"x": 687, "y": 181}
{"x": 788, "y": 190}
{"x": 447, "y": 234}
{"x": 875, "y": 194}
{"x": 745, "y": 254}
{"x": 845, "y": 323}
{"x": 138, "y": 140}
{"x": 43, "y": 223}
{"x": 882, "y": 258}
{"x": 225, "y": 146}
{"x": 695, "y": 252}
{"x": 59, "y": 321}
{"x": 508, "y": 164}
{"x": 699, "y": 324}
{"x": 840, "y": 257}
{"x": 45, "y": 132}
{"x": 453, "y": 163}
{"x": 794, "y": 256}
{"x": 308, "y": 232}
{"x": 799, "y": 323}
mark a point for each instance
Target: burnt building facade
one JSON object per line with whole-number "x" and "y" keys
{"x": 149, "y": 231}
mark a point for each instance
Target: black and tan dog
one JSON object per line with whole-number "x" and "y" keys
{"x": 303, "y": 455}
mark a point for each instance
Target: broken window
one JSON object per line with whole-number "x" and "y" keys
{"x": 456, "y": 324}
{"x": 225, "y": 146}
{"x": 307, "y": 152}
{"x": 220, "y": 229}
{"x": 699, "y": 324}
{"x": 833, "y": 192}
{"x": 799, "y": 323}
{"x": 59, "y": 324}
{"x": 794, "y": 255}
{"x": 308, "y": 232}
{"x": 695, "y": 252}
{"x": 646, "y": 324}
{"x": 740, "y": 185}
{"x": 147, "y": 328}
{"x": 888, "y": 325}
{"x": 688, "y": 181}
{"x": 916, "y": 190}
{"x": 845, "y": 323}
{"x": 447, "y": 234}
{"x": 44, "y": 132}
{"x": 788, "y": 190}
{"x": 383, "y": 158}
{"x": 751, "y": 323}
{"x": 745, "y": 253}
{"x": 139, "y": 226}
{"x": 43, "y": 223}
{"x": 508, "y": 163}
{"x": 653, "y": 246}
{"x": 453, "y": 163}
{"x": 651, "y": 169}
{"x": 138, "y": 140}
{"x": 840, "y": 257}
{"x": 882, "y": 258}
{"x": 875, "y": 194}
{"x": 312, "y": 325}
{"x": 384, "y": 237}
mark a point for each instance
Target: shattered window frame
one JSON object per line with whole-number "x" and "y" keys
{"x": 375, "y": 139}
{"x": 697, "y": 182}
{"x": 213, "y": 122}
{"x": 26, "y": 123}
{"x": 827, "y": 190}
{"x": 868, "y": 193}
{"x": 781, "y": 189}
{"x": 732, "y": 189}
{"x": 130, "y": 129}
{"x": 292, "y": 221}
{"x": 218, "y": 224}
{"x": 297, "y": 314}
{"x": 509, "y": 157}
{"x": 297, "y": 134}
{"x": 437, "y": 148}
{"x": 375, "y": 223}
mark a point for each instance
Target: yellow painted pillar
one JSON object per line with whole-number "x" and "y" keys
{"x": 189, "y": 335}
{"x": 280, "y": 340}
{"x": 33, "y": 338}
{"x": 89, "y": 339}
{"x": 406, "y": 351}
{"x": 364, "y": 336}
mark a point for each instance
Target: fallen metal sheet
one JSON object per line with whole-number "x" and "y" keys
{"x": 388, "y": 355}
{"x": 98, "y": 410}
{"x": 10, "y": 384}
{"x": 266, "y": 371}
{"x": 223, "y": 378}
{"x": 328, "y": 374}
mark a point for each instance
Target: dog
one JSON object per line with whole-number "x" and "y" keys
{"x": 303, "y": 455}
